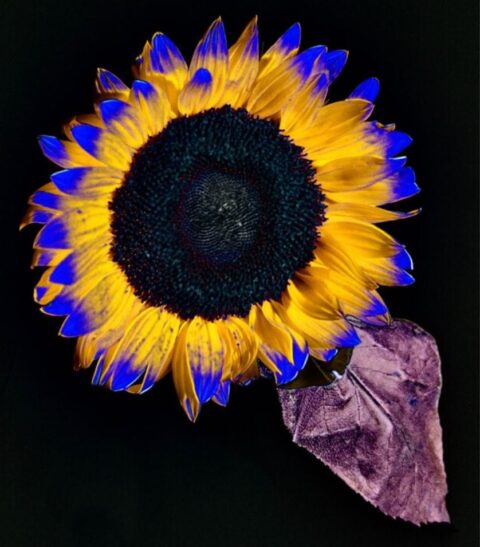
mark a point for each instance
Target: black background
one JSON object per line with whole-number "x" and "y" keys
{"x": 83, "y": 466}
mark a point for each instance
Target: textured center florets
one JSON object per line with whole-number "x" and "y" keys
{"x": 217, "y": 213}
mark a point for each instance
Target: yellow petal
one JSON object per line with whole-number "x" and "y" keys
{"x": 352, "y": 295}
{"x": 334, "y": 119}
{"x": 273, "y": 332}
{"x": 242, "y": 348}
{"x": 330, "y": 253}
{"x": 93, "y": 302}
{"x": 211, "y": 54}
{"x": 162, "y": 64}
{"x": 45, "y": 291}
{"x": 85, "y": 351}
{"x": 153, "y": 105}
{"x": 195, "y": 96}
{"x": 198, "y": 363}
{"x": 351, "y": 174}
{"x": 270, "y": 94}
{"x": 112, "y": 330}
{"x": 123, "y": 121}
{"x": 243, "y": 66}
{"x": 360, "y": 238}
{"x": 304, "y": 108}
{"x": 75, "y": 227}
{"x": 317, "y": 332}
{"x": 309, "y": 294}
{"x": 144, "y": 351}
{"x": 284, "y": 48}
{"x": 109, "y": 85}
{"x": 366, "y": 213}
{"x": 88, "y": 183}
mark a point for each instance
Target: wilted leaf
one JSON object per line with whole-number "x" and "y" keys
{"x": 378, "y": 427}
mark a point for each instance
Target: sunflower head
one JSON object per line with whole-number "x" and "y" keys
{"x": 219, "y": 213}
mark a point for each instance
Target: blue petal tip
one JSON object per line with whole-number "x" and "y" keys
{"x": 291, "y": 38}
{"x": 367, "y": 90}
{"x": 87, "y": 136}
{"x": 64, "y": 273}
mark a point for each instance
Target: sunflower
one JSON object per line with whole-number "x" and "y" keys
{"x": 218, "y": 214}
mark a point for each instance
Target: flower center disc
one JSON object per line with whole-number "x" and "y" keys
{"x": 217, "y": 213}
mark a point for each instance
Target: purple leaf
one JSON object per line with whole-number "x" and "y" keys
{"x": 378, "y": 427}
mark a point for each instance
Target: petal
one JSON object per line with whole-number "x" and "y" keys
{"x": 301, "y": 112}
{"x": 166, "y": 59}
{"x": 109, "y": 85}
{"x": 360, "y": 238}
{"x": 198, "y": 364}
{"x": 123, "y": 120}
{"x": 318, "y": 332}
{"x": 45, "y": 291}
{"x": 54, "y": 235}
{"x": 85, "y": 353}
{"x": 35, "y": 215}
{"x": 380, "y": 258}
{"x": 252, "y": 373}
{"x": 162, "y": 65}
{"x": 281, "y": 349}
{"x": 323, "y": 354}
{"x": 398, "y": 186}
{"x": 212, "y": 54}
{"x": 311, "y": 297}
{"x": 161, "y": 353}
{"x": 352, "y": 139}
{"x": 65, "y": 153}
{"x": 47, "y": 197}
{"x": 367, "y": 90}
{"x": 48, "y": 258}
{"x": 330, "y": 255}
{"x": 352, "y": 296}
{"x": 287, "y": 370}
{"x": 74, "y": 227}
{"x": 87, "y": 182}
{"x": 386, "y": 271}
{"x": 304, "y": 62}
{"x": 392, "y": 142}
{"x": 109, "y": 334}
{"x": 223, "y": 393}
{"x": 271, "y": 331}
{"x": 106, "y": 147}
{"x": 334, "y": 119}
{"x": 84, "y": 260}
{"x": 351, "y": 174}
{"x": 89, "y": 119}
{"x": 366, "y": 213}
{"x": 144, "y": 350}
{"x": 153, "y": 104}
{"x": 196, "y": 95}
{"x": 243, "y": 66}
{"x": 90, "y": 310}
{"x": 334, "y": 61}
{"x": 244, "y": 53}
{"x": 284, "y": 48}
{"x": 70, "y": 296}
{"x": 271, "y": 93}
{"x": 242, "y": 347}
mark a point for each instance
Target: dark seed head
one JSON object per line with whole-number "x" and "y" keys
{"x": 217, "y": 213}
